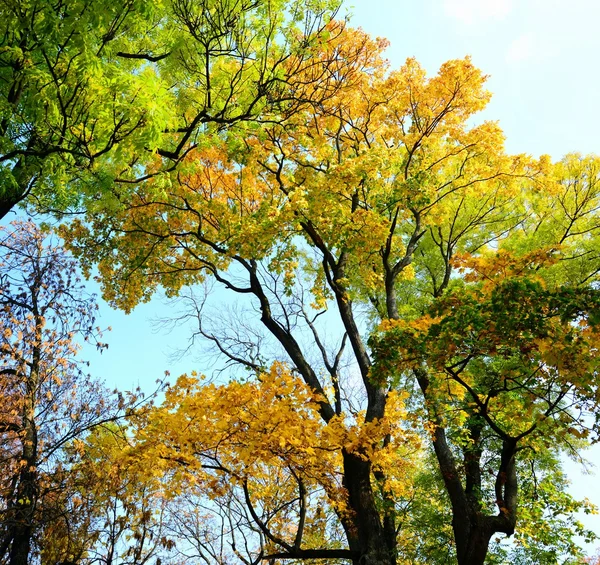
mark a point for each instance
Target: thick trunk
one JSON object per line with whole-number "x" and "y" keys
{"x": 370, "y": 539}
{"x": 22, "y": 529}
{"x": 27, "y": 490}
{"x": 8, "y": 200}
{"x": 10, "y": 196}
{"x": 474, "y": 551}
{"x": 21, "y": 544}
{"x": 15, "y": 191}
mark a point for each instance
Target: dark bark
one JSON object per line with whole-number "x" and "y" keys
{"x": 8, "y": 200}
{"x": 11, "y": 194}
{"x": 472, "y": 528}
{"x": 370, "y": 535}
{"x": 22, "y": 518}
{"x": 27, "y": 490}
{"x": 473, "y": 550}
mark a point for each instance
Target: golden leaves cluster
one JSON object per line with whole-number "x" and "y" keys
{"x": 381, "y": 150}
{"x": 216, "y": 436}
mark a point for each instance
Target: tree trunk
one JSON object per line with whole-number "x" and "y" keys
{"x": 16, "y": 191}
{"x": 9, "y": 198}
{"x": 27, "y": 491}
{"x": 370, "y": 536}
{"x": 21, "y": 544}
{"x": 22, "y": 529}
{"x": 473, "y": 550}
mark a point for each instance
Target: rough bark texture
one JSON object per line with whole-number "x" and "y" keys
{"x": 27, "y": 491}
{"x": 373, "y": 548}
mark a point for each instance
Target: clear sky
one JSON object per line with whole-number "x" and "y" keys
{"x": 541, "y": 57}
{"x": 542, "y": 60}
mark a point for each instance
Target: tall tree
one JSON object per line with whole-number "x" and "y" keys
{"x": 382, "y": 197}
{"x": 46, "y": 401}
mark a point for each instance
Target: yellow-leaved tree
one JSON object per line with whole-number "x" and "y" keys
{"x": 381, "y": 211}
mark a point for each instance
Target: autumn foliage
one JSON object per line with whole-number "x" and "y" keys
{"x": 48, "y": 404}
{"x": 414, "y": 347}
{"x": 477, "y": 271}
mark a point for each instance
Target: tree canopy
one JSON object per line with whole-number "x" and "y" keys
{"x": 90, "y": 93}
{"x": 415, "y": 344}
{"x": 464, "y": 282}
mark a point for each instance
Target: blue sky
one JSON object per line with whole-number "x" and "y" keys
{"x": 542, "y": 58}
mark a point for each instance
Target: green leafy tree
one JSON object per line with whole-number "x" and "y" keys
{"x": 94, "y": 94}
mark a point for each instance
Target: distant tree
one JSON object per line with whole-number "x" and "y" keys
{"x": 594, "y": 560}
{"x": 47, "y": 402}
{"x": 109, "y": 515}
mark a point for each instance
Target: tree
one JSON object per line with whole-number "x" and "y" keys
{"x": 46, "y": 401}
{"x": 110, "y": 515}
{"x": 477, "y": 272}
{"x": 92, "y": 94}
{"x": 517, "y": 371}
